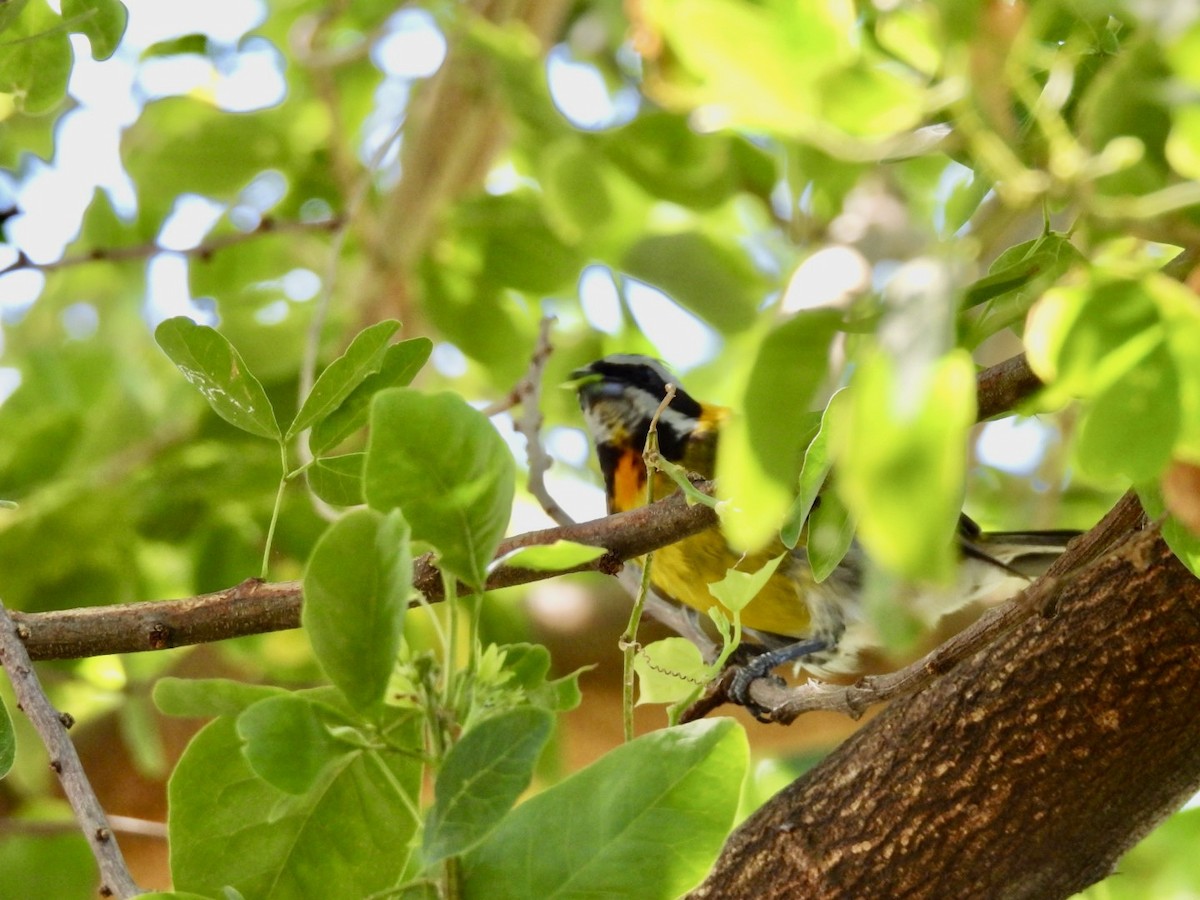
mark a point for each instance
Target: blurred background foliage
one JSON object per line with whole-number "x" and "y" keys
{"x": 673, "y": 177}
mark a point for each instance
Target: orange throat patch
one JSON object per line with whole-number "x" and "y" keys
{"x": 628, "y": 481}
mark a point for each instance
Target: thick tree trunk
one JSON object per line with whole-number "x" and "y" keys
{"x": 1024, "y": 772}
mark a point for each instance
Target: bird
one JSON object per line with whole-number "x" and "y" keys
{"x": 820, "y": 626}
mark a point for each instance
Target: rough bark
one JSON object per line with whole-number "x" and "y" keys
{"x": 1024, "y": 772}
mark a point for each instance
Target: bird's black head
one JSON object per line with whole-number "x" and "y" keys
{"x": 619, "y": 395}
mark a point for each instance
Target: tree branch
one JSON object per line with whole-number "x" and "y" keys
{"x": 255, "y": 607}
{"x": 1024, "y": 772}
{"x": 1002, "y": 388}
{"x": 51, "y": 725}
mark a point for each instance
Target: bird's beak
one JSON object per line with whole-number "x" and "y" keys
{"x": 580, "y": 379}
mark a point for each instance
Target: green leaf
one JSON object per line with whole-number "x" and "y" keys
{"x": 774, "y": 88}
{"x": 1127, "y": 346}
{"x": 195, "y": 42}
{"x": 830, "y": 534}
{"x": 646, "y": 821}
{"x": 561, "y": 694}
{"x": 902, "y": 461}
{"x": 528, "y": 664}
{"x": 356, "y": 590}
{"x": 715, "y": 281}
{"x": 363, "y": 357}
{"x": 207, "y": 697}
{"x": 8, "y": 741}
{"x": 345, "y": 841}
{"x": 737, "y": 589}
{"x": 481, "y": 779}
{"x": 447, "y": 469}
{"x": 40, "y": 865}
{"x": 520, "y": 249}
{"x": 401, "y": 362}
{"x": 1017, "y": 278}
{"x": 817, "y": 463}
{"x": 669, "y": 671}
{"x": 551, "y": 557}
{"x": 215, "y": 367}
{"x": 288, "y": 742}
{"x": 338, "y": 480}
{"x": 665, "y": 156}
{"x": 103, "y": 21}
{"x": 1130, "y": 428}
{"x": 576, "y": 196}
{"x": 762, "y": 451}
{"x": 869, "y": 101}
{"x": 1083, "y": 339}
{"x": 36, "y": 59}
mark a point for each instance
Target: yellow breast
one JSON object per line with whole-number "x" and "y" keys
{"x": 683, "y": 572}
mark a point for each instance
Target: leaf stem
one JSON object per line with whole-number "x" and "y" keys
{"x": 629, "y": 648}
{"x": 283, "y": 481}
{"x": 450, "y": 640}
{"x": 628, "y": 643}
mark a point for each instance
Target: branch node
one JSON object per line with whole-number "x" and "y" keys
{"x": 610, "y": 564}
{"x": 23, "y": 632}
{"x": 103, "y": 835}
{"x": 56, "y": 767}
{"x": 68, "y": 720}
{"x": 159, "y": 636}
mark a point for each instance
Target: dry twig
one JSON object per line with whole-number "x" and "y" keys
{"x": 51, "y": 725}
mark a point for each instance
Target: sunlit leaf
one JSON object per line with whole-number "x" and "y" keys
{"x": 551, "y": 557}
{"x": 737, "y": 589}
{"x": 1130, "y": 428}
{"x": 36, "y": 59}
{"x": 830, "y": 534}
{"x": 669, "y": 670}
{"x": 902, "y": 462}
{"x": 763, "y": 449}
{"x": 103, "y": 21}
{"x": 217, "y": 370}
{"x": 818, "y": 461}
{"x": 775, "y": 87}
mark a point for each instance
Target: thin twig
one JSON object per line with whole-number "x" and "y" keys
{"x": 124, "y": 824}
{"x": 51, "y": 726}
{"x": 203, "y": 250}
{"x": 528, "y": 395}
